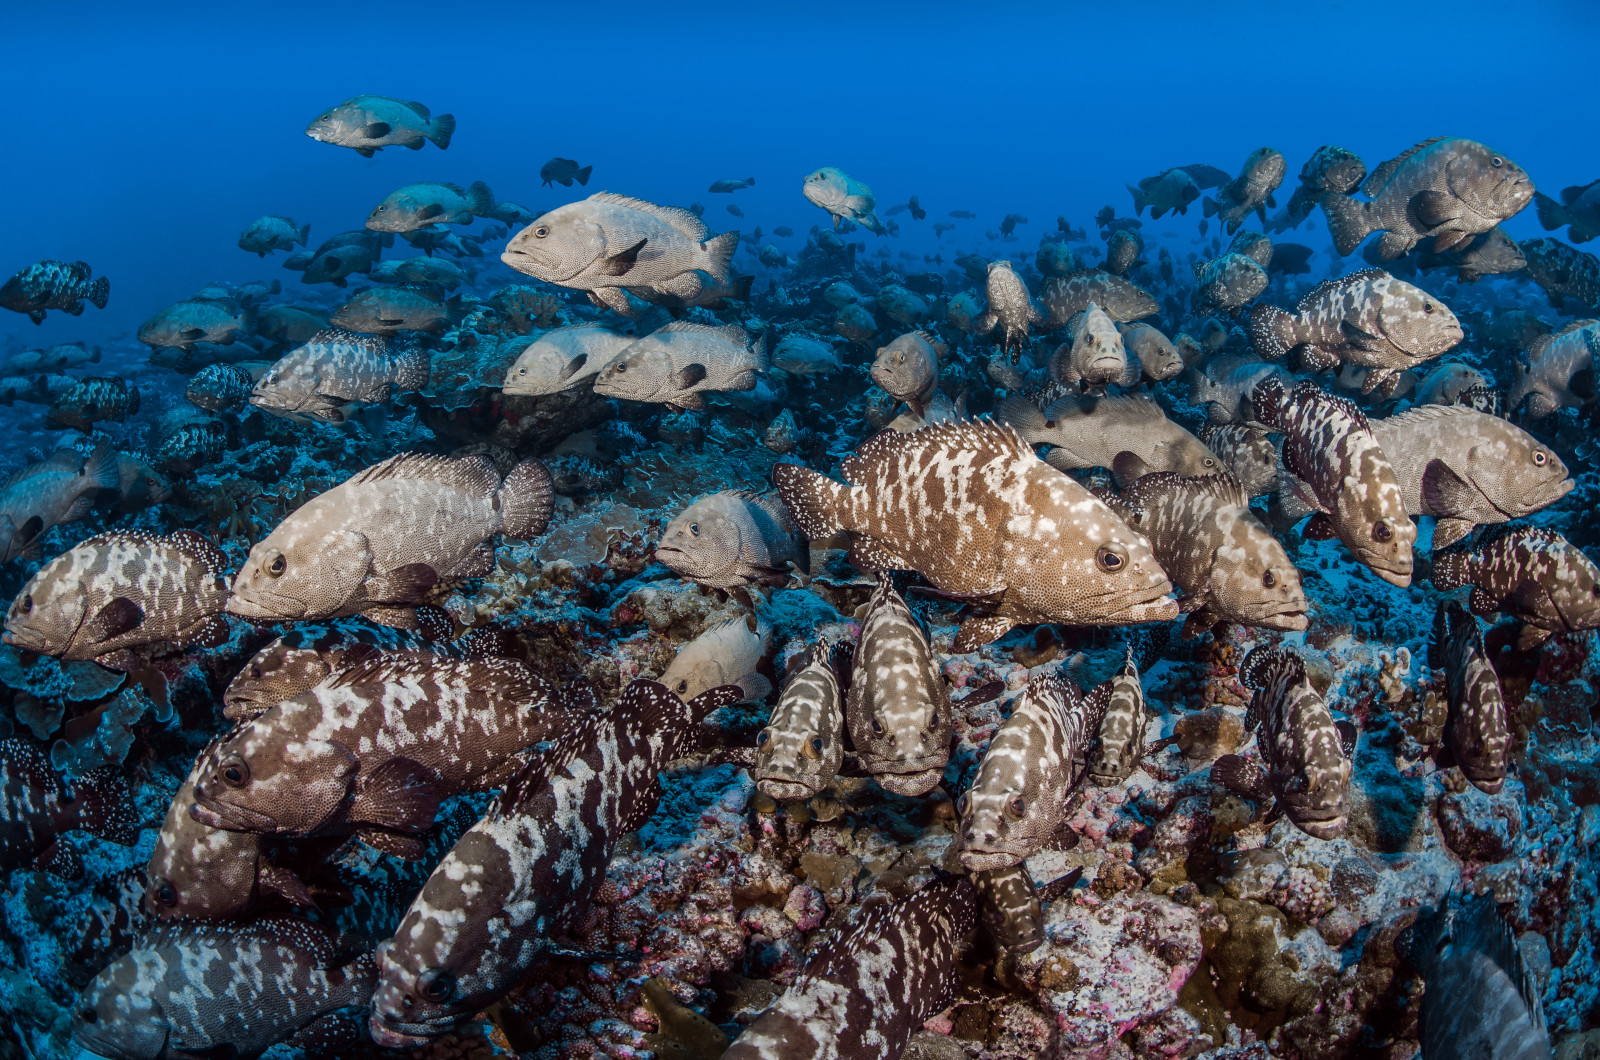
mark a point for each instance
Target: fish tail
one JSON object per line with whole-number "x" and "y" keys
{"x": 1552, "y": 215}
{"x": 741, "y": 288}
{"x": 583, "y": 175}
{"x": 104, "y": 806}
{"x": 1347, "y": 221}
{"x": 480, "y": 200}
{"x": 527, "y": 500}
{"x": 301, "y": 237}
{"x": 441, "y": 129}
{"x": 133, "y": 401}
{"x": 99, "y": 292}
{"x": 1268, "y": 399}
{"x": 1268, "y": 327}
{"x": 1209, "y": 206}
{"x": 720, "y": 252}
{"x": 1139, "y": 201}
{"x": 819, "y": 504}
{"x": 412, "y": 369}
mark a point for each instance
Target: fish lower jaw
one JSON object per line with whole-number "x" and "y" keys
{"x": 1401, "y": 579}
{"x": 783, "y": 789}
{"x": 390, "y": 1037}
{"x": 908, "y": 783}
{"x": 218, "y": 814}
{"x": 1286, "y": 621}
{"x": 1323, "y": 828}
{"x": 989, "y": 860}
{"x": 22, "y": 643}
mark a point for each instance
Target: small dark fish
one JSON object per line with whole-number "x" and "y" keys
{"x": 1475, "y": 731}
{"x": 1564, "y": 271}
{"x": 36, "y": 808}
{"x": 726, "y": 186}
{"x": 1579, "y": 209}
{"x": 95, "y": 398}
{"x": 783, "y": 231}
{"x": 1009, "y": 223}
{"x": 1250, "y": 191}
{"x": 897, "y": 707}
{"x": 867, "y": 990}
{"x": 1172, "y": 190}
{"x": 1122, "y": 252}
{"x": 1008, "y": 909}
{"x": 564, "y": 171}
{"x": 963, "y": 215}
{"x": 53, "y": 285}
{"x": 917, "y": 212}
{"x": 734, "y": 209}
{"x": 219, "y": 388}
{"x": 1492, "y": 253}
{"x": 1289, "y": 259}
{"x": 1329, "y": 168}
{"x": 1531, "y": 573}
{"x": 1307, "y": 755}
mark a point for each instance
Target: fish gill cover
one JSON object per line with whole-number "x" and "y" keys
{"x": 805, "y": 534}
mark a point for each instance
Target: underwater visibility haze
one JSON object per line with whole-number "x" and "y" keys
{"x": 787, "y": 532}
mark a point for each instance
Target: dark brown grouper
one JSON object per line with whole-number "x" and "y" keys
{"x": 1481, "y": 998}
{"x": 1214, "y": 548}
{"x": 1475, "y": 731}
{"x": 1008, "y": 906}
{"x": 1466, "y": 468}
{"x": 376, "y": 748}
{"x": 1342, "y": 472}
{"x": 1530, "y": 573}
{"x": 486, "y": 914}
{"x": 190, "y": 990}
{"x": 1018, "y": 801}
{"x": 1252, "y": 189}
{"x": 36, "y": 808}
{"x": 120, "y": 591}
{"x": 898, "y": 708}
{"x": 1307, "y": 756}
{"x": 865, "y": 992}
{"x": 970, "y": 507}
{"x": 375, "y": 543}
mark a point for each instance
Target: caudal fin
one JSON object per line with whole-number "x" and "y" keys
{"x": 99, "y": 291}
{"x": 720, "y": 252}
{"x": 817, "y": 502}
{"x": 412, "y": 369}
{"x": 303, "y": 235}
{"x": 527, "y": 500}
{"x": 1269, "y": 330}
{"x": 105, "y": 806}
{"x": 1552, "y": 215}
{"x": 1209, "y": 206}
{"x": 583, "y": 175}
{"x": 441, "y": 129}
{"x": 480, "y": 200}
{"x": 1139, "y": 201}
{"x": 741, "y": 288}
{"x": 1347, "y": 221}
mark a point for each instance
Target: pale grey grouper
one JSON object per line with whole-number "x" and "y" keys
{"x": 191, "y": 989}
{"x": 844, "y": 197}
{"x": 1307, "y": 756}
{"x": 530, "y": 866}
{"x": 734, "y": 538}
{"x": 563, "y": 359}
{"x": 1341, "y": 471}
{"x": 1229, "y": 566}
{"x": 1367, "y": 318}
{"x": 366, "y": 124}
{"x": 725, "y": 654}
{"x": 61, "y": 488}
{"x": 866, "y": 991}
{"x": 318, "y": 381}
{"x": 1037, "y": 759}
{"x": 1093, "y": 357}
{"x": 800, "y": 750}
{"x": 970, "y": 507}
{"x": 897, "y": 707}
{"x": 1130, "y": 436}
{"x": 1447, "y": 188}
{"x": 375, "y": 543}
{"x": 1476, "y": 732}
{"x": 677, "y": 364}
{"x": 373, "y": 750}
{"x": 908, "y": 369}
{"x": 1557, "y": 371}
{"x": 120, "y": 591}
{"x": 1011, "y": 309}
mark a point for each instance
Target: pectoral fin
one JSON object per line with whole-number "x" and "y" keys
{"x": 623, "y": 261}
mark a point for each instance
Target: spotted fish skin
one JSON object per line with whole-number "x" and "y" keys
{"x": 864, "y": 993}
{"x": 36, "y": 807}
{"x": 120, "y": 591}
{"x": 53, "y": 285}
{"x": 897, "y": 707}
{"x": 485, "y": 915}
{"x": 800, "y": 750}
{"x": 191, "y": 989}
{"x": 970, "y": 507}
{"x": 1530, "y": 572}
{"x": 1119, "y": 744}
{"x": 1563, "y": 271}
{"x": 1475, "y": 728}
{"x": 375, "y": 748}
{"x": 1481, "y": 998}
{"x": 1308, "y": 770}
{"x": 315, "y": 382}
{"x": 1367, "y": 318}
{"x": 1011, "y": 309}
{"x": 1035, "y": 761}
{"x": 1008, "y": 904}
{"x": 92, "y": 399}
{"x": 1067, "y": 296}
{"x": 1228, "y": 564}
{"x": 1343, "y": 473}
{"x": 1245, "y": 451}
{"x": 1543, "y": 380}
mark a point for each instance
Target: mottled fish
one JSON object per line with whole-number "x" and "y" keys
{"x": 677, "y": 364}
{"x": 36, "y": 808}
{"x": 1476, "y": 732}
{"x": 734, "y": 538}
{"x": 1130, "y": 436}
{"x": 1531, "y": 573}
{"x": 897, "y": 707}
{"x": 800, "y": 749}
{"x": 58, "y": 285}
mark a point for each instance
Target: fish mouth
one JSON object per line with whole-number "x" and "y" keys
{"x": 1322, "y": 827}
{"x": 988, "y": 860}
{"x": 225, "y": 815}
{"x": 1543, "y": 497}
{"x": 256, "y": 605}
{"x": 1289, "y": 620}
{"x": 392, "y": 1037}
{"x": 1400, "y": 578}
{"x": 785, "y": 789}
{"x": 905, "y": 778}
{"x": 25, "y": 639}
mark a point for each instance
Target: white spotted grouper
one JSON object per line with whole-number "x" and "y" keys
{"x": 374, "y": 749}
{"x": 1118, "y": 745}
{"x": 1341, "y": 471}
{"x": 867, "y": 990}
{"x": 970, "y": 507}
{"x": 1037, "y": 759}
{"x": 121, "y": 591}
{"x": 1530, "y": 572}
{"x": 897, "y": 707}
{"x": 1476, "y": 732}
{"x": 36, "y": 807}
{"x": 530, "y": 866}
{"x": 225, "y": 989}
{"x": 802, "y": 746}
{"x": 1306, "y": 753}
{"x": 1011, "y": 309}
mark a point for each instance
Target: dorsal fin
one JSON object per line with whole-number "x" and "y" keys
{"x": 683, "y": 220}
{"x": 1372, "y": 187}
{"x": 492, "y": 675}
{"x": 475, "y": 473}
{"x": 1334, "y": 284}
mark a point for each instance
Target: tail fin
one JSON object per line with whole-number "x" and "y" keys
{"x": 104, "y": 806}
{"x": 441, "y": 129}
{"x": 413, "y": 369}
{"x": 1209, "y": 206}
{"x": 817, "y": 503}
{"x": 303, "y": 235}
{"x": 1139, "y": 201}
{"x": 1267, "y": 326}
{"x": 720, "y": 251}
{"x": 741, "y": 288}
{"x": 133, "y": 400}
{"x": 480, "y": 200}
{"x": 1347, "y": 221}
{"x": 99, "y": 291}
{"x": 759, "y": 348}
{"x": 583, "y": 175}
{"x": 527, "y": 500}
{"x": 1552, "y": 215}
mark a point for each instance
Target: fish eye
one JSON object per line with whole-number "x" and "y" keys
{"x": 1110, "y": 559}
{"x": 235, "y": 771}
{"x": 900, "y": 358}
{"x": 816, "y": 745}
{"x": 1497, "y": 161}
{"x": 1382, "y": 531}
{"x": 382, "y": 207}
{"x": 255, "y": 671}
{"x": 962, "y": 803}
{"x": 88, "y": 1015}
{"x": 27, "y": 603}
{"x": 1269, "y": 579}
{"x": 437, "y": 986}
{"x": 694, "y": 528}
{"x": 1539, "y": 458}
{"x": 166, "y": 893}
{"x": 1210, "y": 462}
{"x": 1017, "y": 806}
{"x": 277, "y": 566}
{"x": 1427, "y": 307}
{"x": 683, "y": 686}
{"x": 1049, "y": 425}
{"x": 877, "y": 727}
{"x": 540, "y": 232}
{"x": 762, "y": 737}
{"x": 622, "y": 366}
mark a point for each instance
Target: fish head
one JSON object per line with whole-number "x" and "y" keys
{"x": 641, "y": 372}
{"x": 296, "y": 573}
{"x": 1416, "y": 321}
{"x": 802, "y": 748}
{"x": 902, "y": 368}
{"x": 1018, "y": 798}
{"x": 1514, "y": 472}
{"x": 828, "y": 188}
{"x": 1188, "y": 456}
{"x": 271, "y": 779}
{"x": 1115, "y": 751}
{"x": 342, "y": 125}
{"x": 558, "y": 245}
{"x": 400, "y": 212}
{"x": 706, "y": 539}
{"x": 49, "y": 611}
{"x": 119, "y": 1013}
{"x": 1253, "y": 579}
{"x": 1101, "y": 569}
{"x": 1316, "y": 799}
{"x": 274, "y": 674}
{"x": 1488, "y": 183}
{"x": 197, "y": 870}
